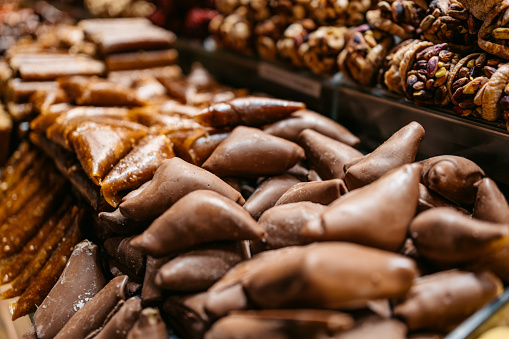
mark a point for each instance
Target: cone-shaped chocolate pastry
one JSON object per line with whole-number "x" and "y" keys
{"x": 315, "y": 274}
{"x": 121, "y": 323}
{"x": 152, "y": 293}
{"x": 280, "y": 324}
{"x": 186, "y": 314}
{"x": 493, "y": 33}
{"x": 448, "y": 237}
{"x": 377, "y": 328}
{"x": 121, "y": 224}
{"x": 490, "y": 203}
{"x": 290, "y": 127}
{"x": 251, "y": 152}
{"x": 130, "y": 259}
{"x": 399, "y": 149}
{"x": 283, "y": 224}
{"x": 149, "y": 326}
{"x": 248, "y": 111}
{"x": 325, "y": 155}
{"x": 96, "y": 311}
{"x": 199, "y": 217}
{"x": 429, "y": 199}
{"x": 136, "y": 167}
{"x": 377, "y": 215}
{"x": 173, "y": 179}
{"x": 268, "y": 193}
{"x": 198, "y": 270}
{"x": 323, "y": 192}
{"x": 452, "y": 177}
{"x": 80, "y": 281}
{"x": 441, "y": 301}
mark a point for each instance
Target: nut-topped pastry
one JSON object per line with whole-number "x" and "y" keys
{"x": 494, "y": 32}
{"x": 399, "y": 17}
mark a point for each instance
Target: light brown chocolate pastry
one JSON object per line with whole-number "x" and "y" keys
{"x": 401, "y": 148}
{"x": 376, "y": 215}
{"x": 80, "y": 281}
{"x": 173, "y": 179}
{"x": 250, "y": 152}
{"x": 452, "y": 177}
{"x": 490, "y": 203}
{"x": 199, "y": 217}
{"x": 429, "y": 199}
{"x": 280, "y": 324}
{"x": 267, "y": 194}
{"x": 373, "y": 328}
{"x": 441, "y": 301}
{"x": 248, "y": 111}
{"x": 118, "y": 223}
{"x": 149, "y": 326}
{"x": 324, "y": 192}
{"x": 448, "y": 237}
{"x": 198, "y": 146}
{"x": 290, "y": 127}
{"x": 325, "y": 155}
{"x": 96, "y": 311}
{"x": 121, "y": 323}
{"x": 199, "y": 269}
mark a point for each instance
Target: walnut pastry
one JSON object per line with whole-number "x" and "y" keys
{"x": 494, "y": 33}
{"x": 400, "y": 17}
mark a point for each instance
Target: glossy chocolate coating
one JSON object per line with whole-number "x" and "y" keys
{"x": 198, "y": 270}
{"x": 377, "y": 215}
{"x": 290, "y": 127}
{"x": 151, "y": 293}
{"x": 247, "y": 111}
{"x": 251, "y": 152}
{"x": 441, "y": 301}
{"x": 80, "y": 281}
{"x": 324, "y": 192}
{"x": 381, "y": 328}
{"x": 199, "y": 217}
{"x": 121, "y": 224}
{"x": 448, "y": 237}
{"x": 452, "y": 177}
{"x": 186, "y": 314}
{"x": 490, "y": 203}
{"x": 316, "y": 277}
{"x": 325, "y": 155}
{"x": 131, "y": 260}
{"x": 429, "y": 199}
{"x": 119, "y": 325}
{"x": 401, "y": 148}
{"x": 149, "y": 326}
{"x": 96, "y": 311}
{"x": 268, "y": 193}
{"x": 172, "y": 180}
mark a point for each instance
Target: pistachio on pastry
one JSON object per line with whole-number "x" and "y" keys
{"x": 324, "y": 192}
{"x": 400, "y": 18}
{"x": 493, "y": 33}
{"x": 389, "y": 72}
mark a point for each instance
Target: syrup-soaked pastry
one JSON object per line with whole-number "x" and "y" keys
{"x": 141, "y": 59}
{"x": 199, "y": 217}
{"x": 199, "y": 269}
{"x": 441, "y": 301}
{"x": 324, "y": 192}
{"x": 250, "y": 152}
{"x": 129, "y": 77}
{"x": 376, "y": 215}
{"x": 96, "y": 311}
{"x": 131, "y": 260}
{"x": 198, "y": 146}
{"x": 149, "y": 325}
{"x": 148, "y": 87}
{"x": 429, "y": 199}
{"x": 280, "y": 324}
{"x": 22, "y": 158}
{"x": 283, "y": 224}
{"x": 290, "y": 127}
{"x": 493, "y": 32}
{"x": 45, "y": 102}
{"x": 19, "y": 112}
{"x": 173, "y": 179}
{"x": 448, "y": 237}
{"x": 137, "y": 167}
{"x": 325, "y": 155}
{"x": 452, "y": 177}
{"x": 96, "y": 25}
{"x": 248, "y": 111}
{"x": 121, "y": 323}
{"x": 42, "y": 284}
{"x": 19, "y": 91}
{"x": 54, "y": 70}
{"x": 39, "y": 57}
{"x": 401, "y": 148}
{"x": 151, "y": 293}
{"x": 80, "y": 281}
{"x": 267, "y": 194}
{"x": 400, "y": 17}
{"x": 315, "y": 274}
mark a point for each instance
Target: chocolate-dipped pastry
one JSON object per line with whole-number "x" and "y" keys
{"x": 137, "y": 167}
{"x": 493, "y": 32}
{"x": 121, "y": 224}
{"x": 130, "y": 259}
{"x": 173, "y": 179}
{"x": 248, "y": 111}
{"x": 121, "y": 323}
{"x": 490, "y": 203}
{"x": 267, "y": 194}
{"x": 149, "y": 326}
{"x": 452, "y": 177}
{"x": 323, "y": 192}
{"x": 96, "y": 311}
{"x": 151, "y": 292}
{"x": 186, "y": 314}
{"x": 79, "y": 282}
{"x": 283, "y": 224}
{"x": 441, "y": 301}
{"x": 399, "y": 149}
{"x": 198, "y": 270}
{"x": 199, "y": 145}
{"x": 376, "y": 215}
{"x": 290, "y": 127}
{"x": 280, "y": 324}
{"x": 373, "y": 328}
{"x": 448, "y": 237}
{"x": 199, "y": 217}
{"x": 429, "y": 199}
{"x": 314, "y": 273}
{"x": 250, "y": 152}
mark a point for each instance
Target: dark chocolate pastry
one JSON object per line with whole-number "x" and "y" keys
{"x": 121, "y": 323}
{"x": 151, "y": 293}
{"x": 149, "y": 326}
{"x": 324, "y": 192}
{"x": 130, "y": 259}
